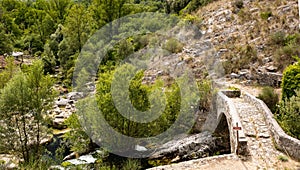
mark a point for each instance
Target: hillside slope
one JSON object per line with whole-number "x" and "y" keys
{"x": 255, "y": 39}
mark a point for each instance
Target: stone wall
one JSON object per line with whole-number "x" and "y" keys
{"x": 283, "y": 142}
{"x": 268, "y": 79}
{"x": 225, "y": 106}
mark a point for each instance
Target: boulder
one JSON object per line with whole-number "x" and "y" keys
{"x": 58, "y": 123}
{"x": 9, "y": 161}
{"x": 271, "y": 68}
{"x": 234, "y": 76}
{"x": 185, "y": 148}
{"x": 253, "y": 10}
{"x": 74, "y": 95}
{"x": 62, "y": 102}
{"x": 266, "y": 60}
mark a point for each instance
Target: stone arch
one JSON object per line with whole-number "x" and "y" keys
{"x": 223, "y": 133}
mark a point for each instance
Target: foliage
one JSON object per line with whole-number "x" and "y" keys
{"x": 286, "y": 45}
{"x": 193, "y": 5}
{"x": 265, "y": 15}
{"x": 234, "y": 88}
{"x": 174, "y": 6}
{"x": 131, "y": 164}
{"x": 242, "y": 60}
{"x": 40, "y": 164}
{"x": 270, "y": 97}
{"x": 290, "y": 81}
{"x": 9, "y": 71}
{"x": 24, "y": 100}
{"x": 238, "y": 4}
{"x": 173, "y": 45}
{"x": 138, "y": 96}
{"x": 278, "y": 38}
{"x": 283, "y": 158}
{"x": 66, "y": 164}
{"x": 288, "y": 116}
{"x": 205, "y": 89}
{"x": 56, "y": 30}
{"x": 77, "y": 138}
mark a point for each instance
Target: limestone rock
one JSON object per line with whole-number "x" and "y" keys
{"x": 74, "y": 95}
{"x": 191, "y": 147}
{"x": 272, "y": 68}
{"x": 62, "y": 102}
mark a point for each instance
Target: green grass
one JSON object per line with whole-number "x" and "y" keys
{"x": 283, "y": 158}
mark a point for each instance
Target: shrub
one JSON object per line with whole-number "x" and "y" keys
{"x": 292, "y": 39}
{"x": 283, "y": 158}
{"x": 270, "y": 97}
{"x": 289, "y": 117}
{"x": 278, "y": 38}
{"x": 238, "y": 4}
{"x": 131, "y": 164}
{"x": 66, "y": 164}
{"x": 195, "y": 4}
{"x": 265, "y": 15}
{"x": 173, "y": 46}
{"x": 206, "y": 93}
{"x": 290, "y": 81}
{"x": 284, "y": 56}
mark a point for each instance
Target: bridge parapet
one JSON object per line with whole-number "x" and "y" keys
{"x": 224, "y": 106}
{"x": 283, "y": 142}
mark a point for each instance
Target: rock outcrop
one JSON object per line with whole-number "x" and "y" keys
{"x": 187, "y": 147}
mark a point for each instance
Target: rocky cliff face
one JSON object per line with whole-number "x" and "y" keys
{"x": 242, "y": 31}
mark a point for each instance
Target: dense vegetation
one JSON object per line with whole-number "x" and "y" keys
{"x": 56, "y": 30}
{"x": 289, "y": 108}
{"x": 52, "y": 33}
{"x": 24, "y": 102}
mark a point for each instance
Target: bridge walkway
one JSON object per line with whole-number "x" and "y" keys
{"x": 262, "y": 153}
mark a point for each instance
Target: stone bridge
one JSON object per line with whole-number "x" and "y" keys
{"x": 261, "y": 141}
{"x": 227, "y": 119}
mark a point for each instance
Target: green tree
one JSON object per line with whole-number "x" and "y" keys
{"x": 78, "y": 26}
{"x": 5, "y": 41}
{"x": 77, "y": 29}
{"x": 270, "y": 97}
{"x": 24, "y": 102}
{"x": 290, "y": 80}
{"x": 77, "y": 137}
{"x": 289, "y": 117}
{"x": 10, "y": 70}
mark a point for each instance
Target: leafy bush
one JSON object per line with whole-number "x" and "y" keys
{"x": 195, "y": 4}
{"x": 77, "y": 137}
{"x": 131, "y": 164}
{"x": 206, "y": 92}
{"x": 238, "y": 4}
{"x": 2, "y": 162}
{"x": 278, "y": 38}
{"x": 287, "y": 47}
{"x": 283, "y": 158}
{"x": 246, "y": 56}
{"x": 270, "y": 97}
{"x": 173, "y": 46}
{"x": 265, "y": 15}
{"x": 284, "y": 56}
{"x": 289, "y": 117}
{"x": 290, "y": 81}
{"x": 292, "y": 39}
{"x": 66, "y": 164}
